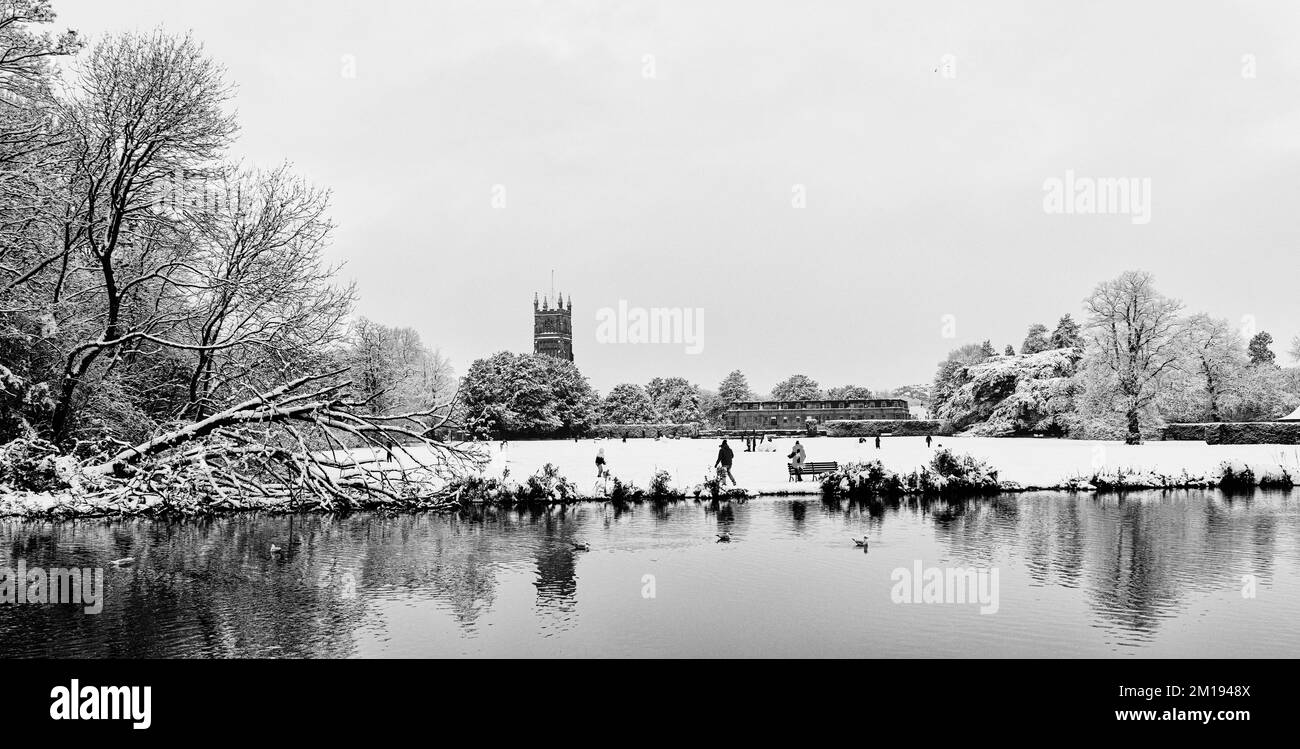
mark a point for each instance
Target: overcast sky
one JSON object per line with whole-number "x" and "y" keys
{"x": 655, "y": 153}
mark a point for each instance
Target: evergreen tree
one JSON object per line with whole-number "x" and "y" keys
{"x": 1036, "y": 340}
{"x": 1259, "y": 349}
{"x": 1067, "y": 333}
{"x": 733, "y": 388}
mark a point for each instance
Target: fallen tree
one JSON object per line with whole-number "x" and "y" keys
{"x": 303, "y": 445}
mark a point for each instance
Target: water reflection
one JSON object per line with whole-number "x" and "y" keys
{"x": 1148, "y": 573}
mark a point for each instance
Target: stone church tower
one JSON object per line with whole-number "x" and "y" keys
{"x": 553, "y": 327}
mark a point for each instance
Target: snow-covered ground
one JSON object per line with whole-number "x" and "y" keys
{"x": 1036, "y": 462}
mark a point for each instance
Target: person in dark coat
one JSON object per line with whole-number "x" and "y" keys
{"x": 928, "y": 440}
{"x": 877, "y": 441}
{"x": 723, "y": 464}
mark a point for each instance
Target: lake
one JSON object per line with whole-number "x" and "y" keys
{"x": 1187, "y": 573}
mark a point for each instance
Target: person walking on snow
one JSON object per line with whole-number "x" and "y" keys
{"x": 723, "y": 464}
{"x": 600, "y": 462}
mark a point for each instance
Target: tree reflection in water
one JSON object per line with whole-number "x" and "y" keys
{"x": 1101, "y": 572}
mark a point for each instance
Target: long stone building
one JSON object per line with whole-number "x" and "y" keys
{"x": 795, "y": 415}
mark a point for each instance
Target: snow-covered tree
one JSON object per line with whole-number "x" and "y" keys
{"x": 951, "y": 373}
{"x": 676, "y": 400}
{"x": 1216, "y": 359}
{"x": 1036, "y": 340}
{"x": 1067, "y": 334}
{"x": 1023, "y": 394}
{"x": 392, "y": 370}
{"x": 847, "y": 392}
{"x": 796, "y": 388}
{"x": 627, "y": 403}
{"x": 1132, "y": 343}
{"x": 734, "y": 387}
{"x": 527, "y": 395}
{"x": 918, "y": 393}
{"x": 1263, "y": 393}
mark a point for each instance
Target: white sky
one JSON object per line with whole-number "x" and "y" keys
{"x": 924, "y": 193}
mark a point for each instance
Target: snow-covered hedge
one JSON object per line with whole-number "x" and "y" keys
{"x": 1246, "y": 433}
{"x": 873, "y": 427}
{"x": 619, "y": 431}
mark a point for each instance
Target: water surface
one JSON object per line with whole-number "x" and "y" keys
{"x": 1149, "y": 575}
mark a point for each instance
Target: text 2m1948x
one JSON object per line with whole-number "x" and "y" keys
{"x": 1189, "y": 690}
{"x": 1219, "y": 690}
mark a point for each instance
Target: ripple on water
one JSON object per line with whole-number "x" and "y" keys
{"x": 1149, "y": 574}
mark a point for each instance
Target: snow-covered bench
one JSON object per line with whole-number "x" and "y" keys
{"x": 814, "y": 469}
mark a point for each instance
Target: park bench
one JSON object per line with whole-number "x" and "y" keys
{"x": 814, "y": 469}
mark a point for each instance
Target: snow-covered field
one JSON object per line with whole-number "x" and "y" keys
{"x": 1036, "y": 462}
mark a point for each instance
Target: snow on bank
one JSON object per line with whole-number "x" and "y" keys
{"x": 1026, "y": 461}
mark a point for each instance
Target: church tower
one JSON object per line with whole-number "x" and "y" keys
{"x": 553, "y": 327}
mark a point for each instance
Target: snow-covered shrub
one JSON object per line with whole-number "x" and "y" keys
{"x": 31, "y": 464}
{"x": 549, "y": 484}
{"x": 947, "y": 474}
{"x": 661, "y": 486}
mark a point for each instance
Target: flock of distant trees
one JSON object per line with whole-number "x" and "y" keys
{"x": 533, "y": 395}
{"x": 1138, "y": 361}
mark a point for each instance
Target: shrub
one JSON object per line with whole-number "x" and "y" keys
{"x": 1280, "y": 480}
{"x": 625, "y": 492}
{"x": 549, "y": 485}
{"x": 947, "y": 474}
{"x": 1236, "y": 476}
{"x": 715, "y": 490}
{"x": 660, "y": 486}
